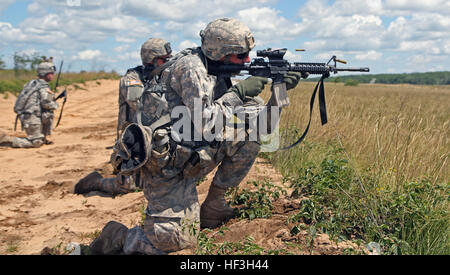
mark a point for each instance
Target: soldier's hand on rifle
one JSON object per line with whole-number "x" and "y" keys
{"x": 251, "y": 86}
{"x": 61, "y": 95}
{"x": 292, "y": 78}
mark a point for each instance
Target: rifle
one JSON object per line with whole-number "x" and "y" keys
{"x": 276, "y": 67}
{"x": 61, "y": 95}
{"x": 59, "y": 75}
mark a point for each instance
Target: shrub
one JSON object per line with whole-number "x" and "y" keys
{"x": 409, "y": 219}
{"x": 351, "y": 82}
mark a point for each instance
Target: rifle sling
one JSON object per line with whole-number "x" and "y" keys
{"x": 15, "y": 122}
{"x": 323, "y": 110}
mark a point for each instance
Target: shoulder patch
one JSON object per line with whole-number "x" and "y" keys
{"x": 133, "y": 82}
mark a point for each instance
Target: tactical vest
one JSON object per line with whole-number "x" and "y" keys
{"x": 148, "y": 135}
{"x": 156, "y": 102}
{"x": 153, "y": 108}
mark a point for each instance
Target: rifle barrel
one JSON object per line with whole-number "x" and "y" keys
{"x": 364, "y": 69}
{"x": 59, "y": 74}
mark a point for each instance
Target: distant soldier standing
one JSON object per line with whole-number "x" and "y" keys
{"x": 154, "y": 53}
{"x": 34, "y": 107}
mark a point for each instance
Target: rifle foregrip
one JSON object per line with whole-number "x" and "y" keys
{"x": 311, "y": 68}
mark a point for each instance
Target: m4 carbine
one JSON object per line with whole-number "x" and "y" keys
{"x": 276, "y": 67}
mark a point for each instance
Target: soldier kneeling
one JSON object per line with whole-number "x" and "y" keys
{"x": 34, "y": 107}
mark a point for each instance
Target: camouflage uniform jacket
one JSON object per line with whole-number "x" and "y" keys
{"x": 185, "y": 80}
{"x": 39, "y": 103}
{"x": 133, "y": 78}
{"x": 188, "y": 83}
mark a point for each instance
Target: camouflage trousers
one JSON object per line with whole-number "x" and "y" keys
{"x": 36, "y": 128}
{"x": 173, "y": 211}
{"x": 121, "y": 184}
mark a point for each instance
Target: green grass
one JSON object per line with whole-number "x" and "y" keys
{"x": 346, "y": 203}
{"x": 256, "y": 202}
{"x": 208, "y": 245}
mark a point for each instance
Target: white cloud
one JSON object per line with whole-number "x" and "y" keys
{"x": 292, "y": 57}
{"x": 121, "y": 48}
{"x": 131, "y": 57}
{"x": 186, "y": 44}
{"x": 76, "y": 27}
{"x": 187, "y": 10}
{"x": 88, "y": 55}
{"x": 424, "y": 63}
{"x": 34, "y": 8}
{"x": 9, "y": 33}
{"x": 361, "y": 7}
{"x": 359, "y": 29}
{"x": 267, "y": 25}
{"x": 405, "y": 7}
{"x": 124, "y": 39}
{"x": 371, "y": 55}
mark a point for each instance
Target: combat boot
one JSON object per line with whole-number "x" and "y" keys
{"x": 91, "y": 182}
{"x": 215, "y": 211}
{"x": 47, "y": 142}
{"x": 5, "y": 139}
{"x": 111, "y": 239}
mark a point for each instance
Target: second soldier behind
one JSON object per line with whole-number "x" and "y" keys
{"x": 154, "y": 53}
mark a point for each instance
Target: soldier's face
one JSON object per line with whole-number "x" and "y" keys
{"x": 49, "y": 77}
{"x": 161, "y": 60}
{"x": 237, "y": 58}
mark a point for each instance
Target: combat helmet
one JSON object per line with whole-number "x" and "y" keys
{"x": 154, "y": 47}
{"x": 46, "y": 67}
{"x": 226, "y": 36}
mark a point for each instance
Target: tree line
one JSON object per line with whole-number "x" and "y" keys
{"x": 429, "y": 78}
{"x": 23, "y": 62}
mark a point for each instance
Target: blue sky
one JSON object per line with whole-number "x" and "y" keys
{"x": 389, "y": 36}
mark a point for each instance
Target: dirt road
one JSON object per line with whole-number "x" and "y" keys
{"x": 38, "y": 208}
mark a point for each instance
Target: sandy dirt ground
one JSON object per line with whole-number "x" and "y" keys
{"x": 38, "y": 209}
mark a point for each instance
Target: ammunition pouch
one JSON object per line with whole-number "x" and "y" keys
{"x": 47, "y": 117}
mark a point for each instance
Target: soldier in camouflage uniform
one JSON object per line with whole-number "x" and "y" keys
{"x": 171, "y": 170}
{"x": 154, "y": 53}
{"x": 36, "y": 110}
